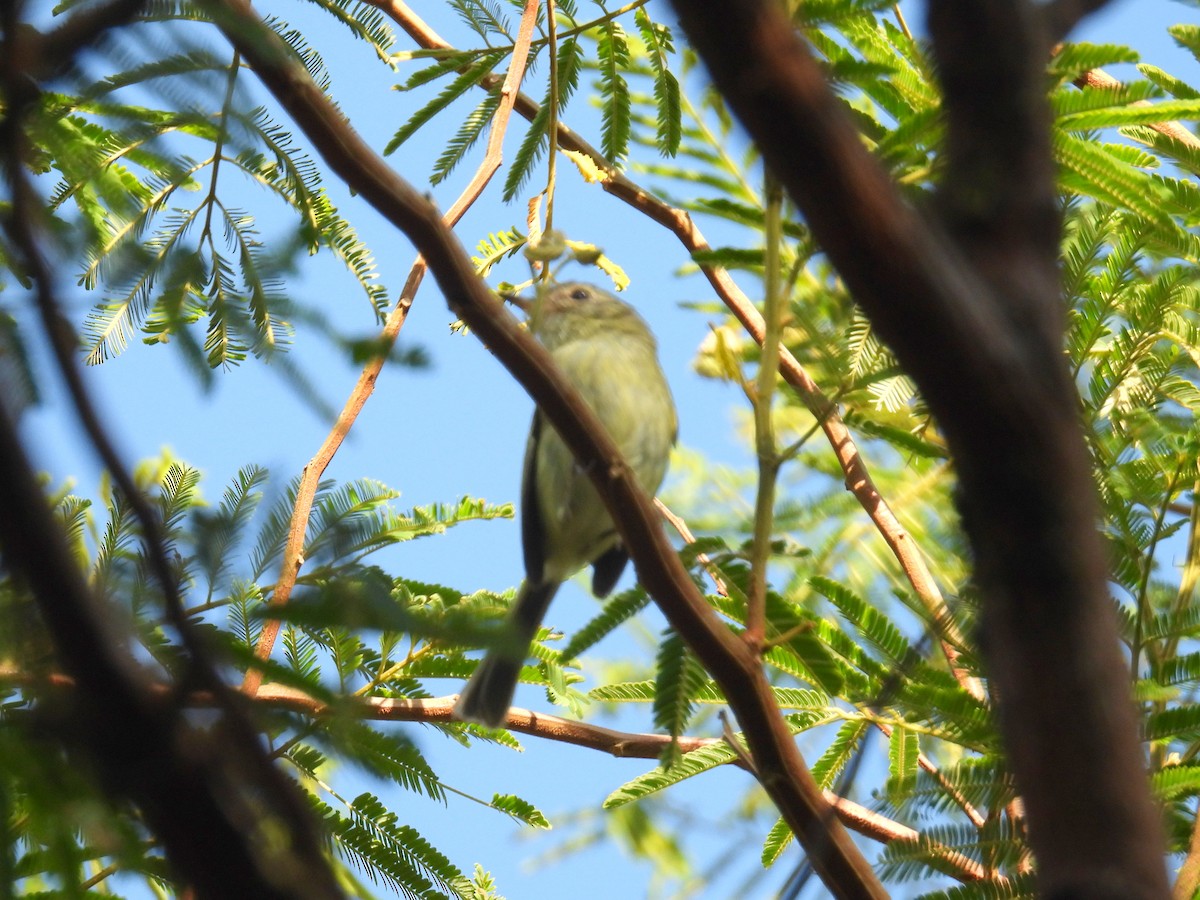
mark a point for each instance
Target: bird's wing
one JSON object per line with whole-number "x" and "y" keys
{"x": 533, "y": 540}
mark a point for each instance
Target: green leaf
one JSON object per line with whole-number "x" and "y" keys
{"x": 1180, "y": 723}
{"x": 459, "y": 86}
{"x": 871, "y": 623}
{"x": 368, "y": 25}
{"x": 369, "y": 835}
{"x": 829, "y": 766}
{"x": 448, "y": 61}
{"x": 903, "y": 749}
{"x": 497, "y": 246}
{"x": 1167, "y": 111}
{"x": 1188, "y": 37}
{"x": 729, "y": 258}
{"x": 612, "y": 51}
{"x": 1073, "y": 60}
{"x": 521, "y": 810}
{"x": 533, "y": 145}
{"x": 485, "y": 17}
{"x": 1174, "y": 783}
{"x": 464, "y": 139}
{"x": 690, "y": 764}
{"x": 679, "y": 678}
{"x": 659, "y": 46}
{"x": 793, "y": 630}
{"x": 1099, "y": 174}
{"x": 616, "y": 611}
{"x": 1019, "y": 887}
{"x": 1169, "y": 83}
{"x": 777, "y": 840}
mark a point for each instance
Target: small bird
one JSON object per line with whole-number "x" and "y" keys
{"x": 609, "y": 355}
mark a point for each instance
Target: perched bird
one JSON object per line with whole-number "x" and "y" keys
{"x": 606, "y": 351}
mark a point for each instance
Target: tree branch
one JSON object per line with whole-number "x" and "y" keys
{"x": 306, "y": 492}
{"x": 857, "y": 475}
{"x": 202, "y": 792}
{"x": 619, "y": 744}
{"x": 973, "y": 312}
{"x": 782, "y": 770}
{"x": 194, "y": 787}
{"x": 1061, "y": 16}
{"x": 46, "y": 55}
{"x": 1101, "y": 80}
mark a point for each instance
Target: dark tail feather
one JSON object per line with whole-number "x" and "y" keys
{"x": 488, "y": 695}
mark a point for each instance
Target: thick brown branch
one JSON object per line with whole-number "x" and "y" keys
{"x": 998, "y": 195}
{"x": 1061, "y": 16}
{"x": 974, "y": 315}
{"x": 781, "y": 768}
{"x": 857, "y": 476}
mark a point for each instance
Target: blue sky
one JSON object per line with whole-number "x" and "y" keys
{"x": 459, "y": 427}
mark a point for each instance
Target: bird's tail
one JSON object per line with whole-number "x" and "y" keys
{"x": 486, "y": 698}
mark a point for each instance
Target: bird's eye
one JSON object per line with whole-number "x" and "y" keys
{"x": 579, "y": 294}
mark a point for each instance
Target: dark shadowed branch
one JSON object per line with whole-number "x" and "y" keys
{"x": 969, "y": 302}
{"x": 43, "y": 55}
{"x": 1061, "y": 16}
{"x": 208, "y": 794}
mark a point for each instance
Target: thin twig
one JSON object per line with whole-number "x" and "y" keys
{"x": 1101, "y": 80}
{"x": 552, "y": 124}
{"x": 293, "y": 554}
{"x": 857, "y": 476}
{"x": 618, "y": 744}
{"x": 704, "y": 559}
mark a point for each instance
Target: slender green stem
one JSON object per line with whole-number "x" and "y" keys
{"x": 1191, "y": 567}
{"x": 535, "y": 44}
{"x": 586, "y": 26}
{"x": 551, "y": 123}
{"x": 218, "y": 150}
{"x": 764, "y": 425}
{"x": 101, "y": 875}
{"x": 385, "y": 674}
{"x": 1143, "y": 595}
{"x": 731, "y": 167}
{"x": 795, "y": 447}
{"x": 1187, "y": 589}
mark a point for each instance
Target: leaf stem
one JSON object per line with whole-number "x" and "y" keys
{"x": 1143, "y": 595}
{"x": 210, "y": 201}
{"x": 551, "y": 123}
{"x": 764, "y": 426}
